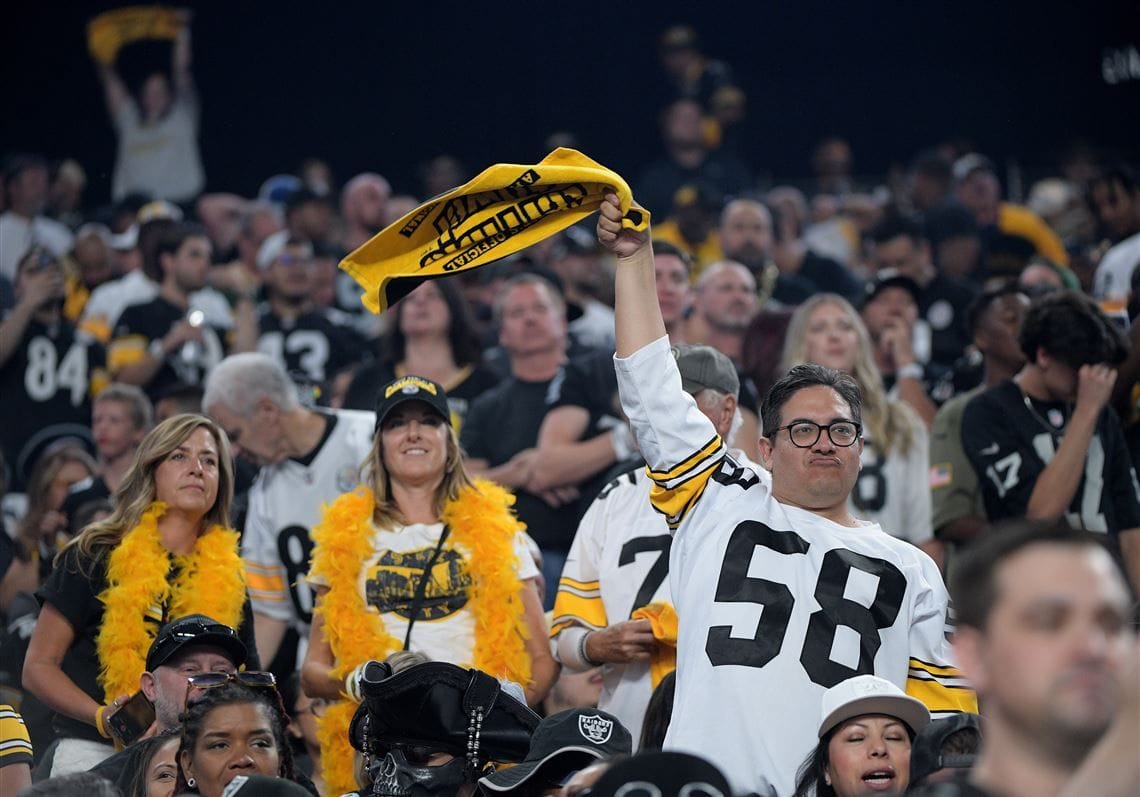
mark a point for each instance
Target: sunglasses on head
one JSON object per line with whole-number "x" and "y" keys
{"x": 254, "y": 678}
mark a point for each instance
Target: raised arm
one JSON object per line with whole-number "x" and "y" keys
{"x": 115, "y": 93}
{"x": 181, "y": 56}
{"x": 638, "y": 316}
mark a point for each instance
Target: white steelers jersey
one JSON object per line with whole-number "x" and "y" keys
{"x": 285, "y": 502}
{"x": 619, "y": 562}
{"x": 893, "y": 489}
{"x": 775, "y": 604}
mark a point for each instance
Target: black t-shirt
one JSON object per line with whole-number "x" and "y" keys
{"x": 959, "y": 787}
{"x": 45, "y": 389}
{"x": 661, "y": 180}
{"x": 80, "y": 495}
{"x": 317, "y": 344}
{"x": 73, "y": 589}
{"x": 1011, "y": 438}
{"x": 140, "y": 324}
{"x": 830, "y": 275}
{"x": 502, "y": 422}
{"x": 943, "y": 304}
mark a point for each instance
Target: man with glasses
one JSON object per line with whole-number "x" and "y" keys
{"x": 781, "y": 591}
{"x": 185, "y": 649}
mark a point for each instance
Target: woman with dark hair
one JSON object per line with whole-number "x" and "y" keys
{"x": 657, "y": 714}
{"x": 867, "y": 727}
{"x": 233, "y": 730}
{"x": 433, "y": 336}
{"x": 420, "y": 557}
{"x": 154, "y": 763}
{"x": 43, "y": 528}
{"x": 167, "y": 551}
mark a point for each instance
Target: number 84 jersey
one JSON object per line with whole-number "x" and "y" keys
{"x": 775, "y": 604}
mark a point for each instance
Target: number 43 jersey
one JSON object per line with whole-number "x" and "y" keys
{"x": 775, "y": 604}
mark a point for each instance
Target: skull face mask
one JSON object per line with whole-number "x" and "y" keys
{"x": 397, "y": 776}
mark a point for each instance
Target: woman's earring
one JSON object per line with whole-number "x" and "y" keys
{"x": 191, "y": 782}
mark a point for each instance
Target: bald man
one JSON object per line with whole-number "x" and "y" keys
{"x": 363, "y": 201}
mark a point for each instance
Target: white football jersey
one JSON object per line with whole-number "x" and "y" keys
{"x": 619, "y": 562}
{"x": 775, "y": 603}
{"x": 894, "y": 490}
{"x": 285, "y": 502}
{"x": 108, "y": 301}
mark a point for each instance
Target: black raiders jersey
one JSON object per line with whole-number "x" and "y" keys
{"x": 45, "y": 391}
{"x": 1011, "y": 438}
{"x": 317, "y": 344}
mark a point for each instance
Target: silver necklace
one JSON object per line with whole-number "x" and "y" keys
{"x": 1053, "y": 428}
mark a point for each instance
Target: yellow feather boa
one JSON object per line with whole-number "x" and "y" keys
{"x": 210, "y": 581}
{"x": 483, "y": 528}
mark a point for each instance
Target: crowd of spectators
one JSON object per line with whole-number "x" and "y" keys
{"x": 993, "y": 339}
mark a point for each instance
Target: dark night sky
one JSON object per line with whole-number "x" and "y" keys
{"x": 383, "y": 86}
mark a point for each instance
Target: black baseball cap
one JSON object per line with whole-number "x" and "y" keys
{"x": 263, "y": 786}
{"x": 411, "y": 388}
{"x": 194, "y": 630}
{"x": 890, "y": 278}
{"x": 563, "y": 743}
{"x": 926, "y": 756}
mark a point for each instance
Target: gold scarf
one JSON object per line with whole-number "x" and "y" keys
{"x": 484, "y": 528}
{"x": 210, "y": 581}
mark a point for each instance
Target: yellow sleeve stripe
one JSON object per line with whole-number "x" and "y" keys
{"x": 934, "y": 669}
{"x": 589, "y": 612}
{"x": 258, "y": 567}
{"x": 939, "y": 697}
{"x": 582, "y": 585}
{"x": 675, "y": 503}
{"x": 259, "y": 582}
{"x": 706, "y": 451}
{"x": 97, "y": 327}
{"x": 125, "y": 351}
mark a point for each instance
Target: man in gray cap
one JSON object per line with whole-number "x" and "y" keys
{"x": 619, "y": 561}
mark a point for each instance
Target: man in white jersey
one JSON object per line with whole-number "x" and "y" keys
{"x": 307, "y": 458}
{"x": 619, "y": 561}
{"x": 780, "y": 592}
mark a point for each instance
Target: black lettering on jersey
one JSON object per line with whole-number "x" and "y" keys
{"x": 613, "y": 484}
{"x": 735, "y": 585}
{"x": 392, "y": 581}
{"x": 730, "y": 473}
{"x": 657, "y": 571}
{"x": 295, "y": 547}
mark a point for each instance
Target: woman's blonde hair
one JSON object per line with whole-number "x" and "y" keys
{"x": 890, "y": 424}
{"x": 138, "y": 490}
{"x": 375, "y": 475}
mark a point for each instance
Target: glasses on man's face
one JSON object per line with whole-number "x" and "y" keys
{"x": 805, "y": 434}
{"x": 254, "y": 678}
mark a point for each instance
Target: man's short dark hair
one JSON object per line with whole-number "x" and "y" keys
{"x": 1071, "y": 327}
{"x": 20, "y": 162}
{"x": 931, "y": 163}
{"x": 973, "y": 582}
{"x": 665, "y": 248}
{"x": 897, "y": 225}
{"x": 804, "y": 376}
{"x": 1119, "y": 174}
{"x": 170, "y": 240}
{"x": 986, "y": 299}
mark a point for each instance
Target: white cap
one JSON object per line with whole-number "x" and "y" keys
{"x": 274, "y": 245}
{"x": 869, "y": 694}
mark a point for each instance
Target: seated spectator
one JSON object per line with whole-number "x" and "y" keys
{"x": 658, "y": 714}
{"x": 865, "y": 740}
{"x": 154, "y": 765}
{"x": 15, "y": 751}
{"x": 1115, "y": 197}
{"x": 65, "y": 196}
{"x": 900, "y": 244}
{"x": 956, "y": 244}
{"x": 432, "y": 335}
{"x": 691, "y": 225}
{"x": 48, "y": 372}
{"x": 929, "y": 181}
{"x": 233, "y": 730}
{"x": 1045, "y": 444}
{"x": 745, "y": 234}
{"x": 43, "y": 531}
{"x": 310, "y": 216}
{"x": 672, "y": 268}
{"x": 363, "y": 202}
{"x": 22, "y": 224}
{"x": 562, "y": 744}
{"x": 946, "y": 748}
{"x": 831, "y": 163}
{"x": 795, "y": 256}
{"x": 892, "y": 488}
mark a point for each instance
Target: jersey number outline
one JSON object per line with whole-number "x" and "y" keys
{"x": 295, "y": 547}
{"x": 46, "y": 373}
{"x": 657, "y": 571}
{"x": 735, "y": 585}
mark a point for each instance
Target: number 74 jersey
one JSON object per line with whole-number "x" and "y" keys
{"x": 775, "y": 604}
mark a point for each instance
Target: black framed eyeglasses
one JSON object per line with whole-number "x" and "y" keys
{"x": 805, "y": 434}
{"x": 254, "y": 678}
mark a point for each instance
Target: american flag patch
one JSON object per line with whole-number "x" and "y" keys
{"x": 941, "y": 475}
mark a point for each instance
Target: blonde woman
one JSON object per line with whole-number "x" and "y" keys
{"x": 167, "y": 551}
{"x": 893, "y": 488}
{"x": 423, "y": 558}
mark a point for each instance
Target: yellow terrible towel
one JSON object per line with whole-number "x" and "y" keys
{"x": 503, "y": 210}
{"x": 662, "y": 619}
{"x": 111, "y": 31}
